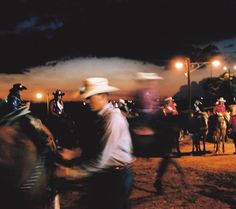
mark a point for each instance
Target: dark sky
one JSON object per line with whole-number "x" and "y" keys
{"x": 33, "y": 32}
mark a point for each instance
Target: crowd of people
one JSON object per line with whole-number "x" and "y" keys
{"x": 106, "y": 159}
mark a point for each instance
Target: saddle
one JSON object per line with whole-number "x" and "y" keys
{"x": 31, "y": 126}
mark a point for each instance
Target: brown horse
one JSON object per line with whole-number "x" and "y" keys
{"x": 219, "y": 132}
{"x": 26, "y": 146}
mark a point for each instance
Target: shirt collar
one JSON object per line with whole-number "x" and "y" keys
{"x": 107, "y": 106}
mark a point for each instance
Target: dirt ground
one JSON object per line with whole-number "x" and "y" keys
{"x": 191, "y": 181}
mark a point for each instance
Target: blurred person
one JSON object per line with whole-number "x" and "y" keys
{"x": 107, "y": 158}
{"x": 170, "y": 106}
{"x": 145, "y": 96}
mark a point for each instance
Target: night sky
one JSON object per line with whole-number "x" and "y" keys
{"x": 34, "y": 32}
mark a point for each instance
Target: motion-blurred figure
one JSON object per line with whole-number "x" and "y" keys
{"x": 146, "y": 102}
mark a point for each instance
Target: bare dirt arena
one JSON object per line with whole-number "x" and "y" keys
{"x": 208, "y": 181}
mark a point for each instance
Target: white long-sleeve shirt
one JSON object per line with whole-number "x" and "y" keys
{"x": 117, "y": 141}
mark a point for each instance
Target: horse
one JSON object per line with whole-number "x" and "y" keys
{"x": 198, "y": 128}
{"x": 64, "y": 130}
{"x": 26, "y": 162}
{"x": 219, "y": 131}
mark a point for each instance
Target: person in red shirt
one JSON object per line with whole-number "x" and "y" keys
{"x": 170, "y": 106}
{"x": 220, "y": 106}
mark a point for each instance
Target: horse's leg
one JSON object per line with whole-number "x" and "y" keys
{"x": 198, "y": 143}
{"x": 57, "y": 202}
{"x": 204, "y": 140}
{"x": 216, "y": 144}
{"x": 223, "y": 141}
{"x": 177, "y": 146}
{"x": 193, "y": 142}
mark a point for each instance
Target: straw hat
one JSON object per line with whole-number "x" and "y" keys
{"x": 148, "y": 76}
{"x": 221, "y": 99}
{"x": 95, "y": 85}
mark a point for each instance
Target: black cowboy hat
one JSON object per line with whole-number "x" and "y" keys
{"x": 18, "y": 86}
{"x": 58, "y": 93}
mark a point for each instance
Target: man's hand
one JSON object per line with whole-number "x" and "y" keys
{"x": 67, "y": 154}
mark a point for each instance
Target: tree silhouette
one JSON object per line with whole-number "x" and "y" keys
{"x": 223, "y": 86}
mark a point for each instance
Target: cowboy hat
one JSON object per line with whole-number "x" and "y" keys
{"x": 96, "y": 85}
{"x": 58, "y": 93}
{"x": 148, "y": 76}
{"x": 169, "y": 99}
{"x": 221, "y": 99}
{"x": 18, "y": 86}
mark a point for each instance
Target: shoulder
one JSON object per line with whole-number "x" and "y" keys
{"x": 114, "y": 116}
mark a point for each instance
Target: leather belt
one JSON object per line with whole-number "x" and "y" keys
{"x": 119, "y": 167}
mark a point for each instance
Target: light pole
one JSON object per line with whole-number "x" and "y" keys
{"x": 190, "y": 68}
{"x": 47, "y": 100}
{"x": 187, "y": 65}
{"x": 40, "y": 95}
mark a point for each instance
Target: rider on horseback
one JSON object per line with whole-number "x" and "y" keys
{"x": 220, "y": 106}
{"x": 170, "y": 106}
{"x": 197, "y": 106}
{"x": 13, "y": 100}
{"x": 56, "y": 114}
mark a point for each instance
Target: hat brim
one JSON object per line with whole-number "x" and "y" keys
{"x": 149, "y": 78}
{"x": 58, "y": 94}
{"x": 23, "y": 88}
{"x": 169, "y": 99}
{"x": 90, "y": 92}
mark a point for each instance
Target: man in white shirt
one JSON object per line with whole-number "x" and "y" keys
{"x": 109, "y": 169}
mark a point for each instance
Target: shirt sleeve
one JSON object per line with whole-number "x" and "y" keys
{"x": 113, "y": 135}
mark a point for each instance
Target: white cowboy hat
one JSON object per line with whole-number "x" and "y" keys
{"x": 169, "y": 99}
{"x": 148, "y": 76}
{"x": 221, "y": 99}
{"x": 96, "y": 85}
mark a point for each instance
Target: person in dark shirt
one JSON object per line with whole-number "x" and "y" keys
{"x": 13, "y": 100}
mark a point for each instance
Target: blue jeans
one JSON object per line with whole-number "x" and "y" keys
{"x": 110, "y": 189}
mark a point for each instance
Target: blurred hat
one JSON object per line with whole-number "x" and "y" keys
{"x": 169, "y": 99}
{"x": 96, "y": 85}
{"x": 148, "y": 76}
{"x": 18, "y": 86}
{"x": 58, "y": 93}
{"x": 221, "y": 99}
